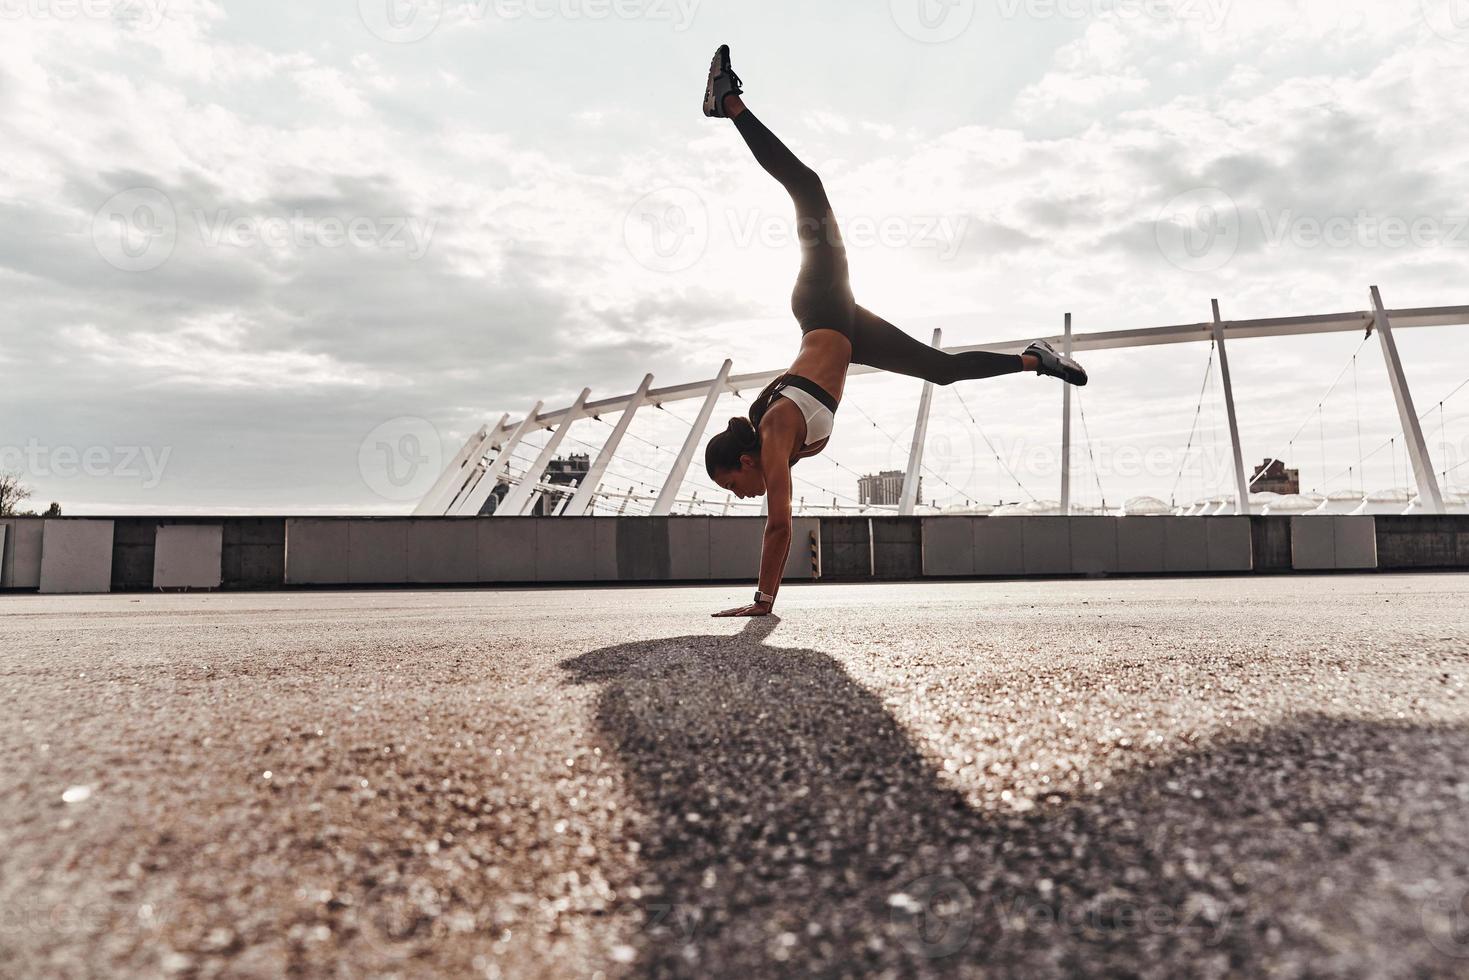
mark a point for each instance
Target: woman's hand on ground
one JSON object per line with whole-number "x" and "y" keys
{"x": 754, "y": 609}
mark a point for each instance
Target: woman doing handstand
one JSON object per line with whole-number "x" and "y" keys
{"x": 793, "y": 416}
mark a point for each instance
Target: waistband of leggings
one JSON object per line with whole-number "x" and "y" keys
{"x": 811, "y": 388}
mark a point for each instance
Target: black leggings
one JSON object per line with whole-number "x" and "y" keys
{"x": 822, "y": 299}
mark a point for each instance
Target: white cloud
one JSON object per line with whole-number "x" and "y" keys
{"x": 526, "y": 145}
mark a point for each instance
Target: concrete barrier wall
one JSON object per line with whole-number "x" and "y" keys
{"x": 76, "y": 556}
{"x": 447, "y": 551}
{"x": 1041, "y": 546}
{"x": 89, "y": 555}
{"x": 1423, "y": 542}
{"x": 235, "y": 553}
{"x": 1333, "y": 543}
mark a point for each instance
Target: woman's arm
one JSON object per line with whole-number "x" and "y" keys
{"x": 777, "y": 542}
{"x": 775, "y": 461}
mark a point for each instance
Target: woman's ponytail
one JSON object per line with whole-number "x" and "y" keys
{"x": 741, "y": 436}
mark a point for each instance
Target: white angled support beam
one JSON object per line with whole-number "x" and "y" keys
{"x": 664, "y": 506}
{"x": 1066, "y": 432}
{"x": 474, "y": 497}
{"x": 582, "y": 502}
{"x": 1430, "y": 497}
{"x": 456, "y": 473}
{"x": 1242, "y": 483}
{"x": 1443, "y": 316}
{"x": 915, "y": 454}
{"x": 563, "y": 502}
{"x": 521, "y": 498}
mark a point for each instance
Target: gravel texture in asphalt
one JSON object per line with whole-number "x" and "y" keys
{"x": 1161, "y": 778}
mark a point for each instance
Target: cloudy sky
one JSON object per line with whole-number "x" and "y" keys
{"x": 283, "y": 257}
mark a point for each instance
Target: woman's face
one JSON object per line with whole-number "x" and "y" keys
{"x": 747, "y": 481}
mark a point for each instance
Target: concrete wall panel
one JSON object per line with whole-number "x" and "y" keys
{"x": 1046, "y": 542}
{"x": 134, "y": 540}
{"x": 76, "y": 556}
{"x": 1356, "y": 542}
{"x": 1094, "y": 547}
{"x": 897, "y": 548}
{"x": 643, "y": 550}
{"x": 377, "y": 552}
{"x": 507, "y": 549}
{"x": 999, "y": 546}
{"x": 846, "y": 548}
{"x": 1272, "y": 543}
{"x": 604, "y": 545}
{"x": 948, "y": 545}
{"x": 20, "y": 566}
{"x": 566, "y": 551}
{"x": 1231, "y": 544}
{"x": 1186, "y": 543}
{"x": 443, "y": 551}
{"x": 1142, "y": 545}
{"x": 798, "y": 560}
{"x": 1423, "y": 542}
{"x": 1313, "y": 543}
{"x": 254, "y": 553}
{"x": 688, "y": 547}
{"x": 316, "y": 551}
{"x": 188, "y": 556}
{"x": 734, "y": 547}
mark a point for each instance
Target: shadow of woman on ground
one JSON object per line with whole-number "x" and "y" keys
{"x": 791, "y": 827}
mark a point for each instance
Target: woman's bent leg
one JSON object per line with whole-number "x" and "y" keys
{"x": 877, "y": 343}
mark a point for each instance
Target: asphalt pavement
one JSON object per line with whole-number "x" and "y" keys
{"x": 1156, "y": 778}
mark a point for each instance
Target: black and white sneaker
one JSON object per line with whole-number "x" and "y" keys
{"x": 1057, "y": 365}
{"x": 722, "y": 82}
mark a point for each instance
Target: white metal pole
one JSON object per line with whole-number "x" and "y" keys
{"x": 582, "y": 502}
{"x": 681, "y": 465}
{"x": 474, "y": 497}
{"x": 1066, "y": 432}
{"x": 456, "y": 472}
{"x": 518, "y": 502}
{"x": 1242, "y": 483}
{"x": 565, "y": 499}
{"x": 1430, "y": 497}
{"x": 915, "y": 454}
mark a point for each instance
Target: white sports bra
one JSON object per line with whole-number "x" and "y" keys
{"x": 814, "y": 402}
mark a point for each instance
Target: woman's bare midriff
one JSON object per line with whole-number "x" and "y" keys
{"x": 824, "y": 358}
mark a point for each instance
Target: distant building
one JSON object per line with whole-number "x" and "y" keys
{"x": 883, "y": 489}
{"x": 1271, "y": 476}
{"x": 562, "y": 471}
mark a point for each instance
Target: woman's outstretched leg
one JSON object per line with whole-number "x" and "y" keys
{"x": 823, "y": 293}
{"x": 877, "y": 343}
